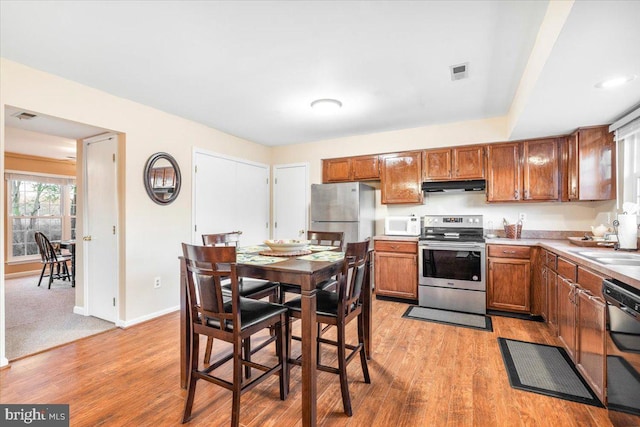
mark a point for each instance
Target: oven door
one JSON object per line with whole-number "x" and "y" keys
{"x": 457, "y": 265}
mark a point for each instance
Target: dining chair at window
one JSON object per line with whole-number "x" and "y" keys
{"x": 337, "y": 309}
{"x": 248, "y": 288}
{"x": 230, "y": 318}
{"x": 318, "y": 238}
{"x": 52, "y": 259}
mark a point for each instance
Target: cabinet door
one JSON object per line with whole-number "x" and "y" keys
{"x": 596, "y": 155}
{"x": 540, "y": 169}
{"x": 591, "y": 354}
{"x": 544, "y": 287}
{"x": 468, "y": 162}
{"x": 552, "y": 300}
{"x": 396, "y": 275}
{"x": 504, "y": 180}
{"x": 365, "y": 167}
{"x": 509, "y": 285}
{"x": 437, "y": 164}
{"x": 401, "y": 178}
{"x": 336, "y": 170}
{"x": 567, "y": 315}
{"x": 572, "y": 167}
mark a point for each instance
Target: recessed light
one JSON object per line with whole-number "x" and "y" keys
{"x": 615, "y": 81}
{"x": 326, "y": 104}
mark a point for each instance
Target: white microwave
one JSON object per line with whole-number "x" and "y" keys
{"x": 402, "y": 226}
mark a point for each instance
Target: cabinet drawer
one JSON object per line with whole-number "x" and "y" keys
{"x": 396, "y": 246}
{"x": 590, "y": 281}
{"x": 567, "y": 269}
{"x": 505, "y": 251}
{"x": 551, "y": 260}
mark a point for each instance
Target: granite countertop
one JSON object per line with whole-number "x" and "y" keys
{"x": 626, "y": 274}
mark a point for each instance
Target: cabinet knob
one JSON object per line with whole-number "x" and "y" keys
{"x": 516, "y": 195}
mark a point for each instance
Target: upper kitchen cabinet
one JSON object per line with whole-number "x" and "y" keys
{"x": 591, "y": 164}
{"x": 523, "y": 171}
{"x": 344, "y": 169}
{"x": 504, "y": 174}
{"x": 401, "y": 177}
{"x": 458, "y": 163}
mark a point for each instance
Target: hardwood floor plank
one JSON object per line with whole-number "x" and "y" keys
{"x": 422, "y": 374}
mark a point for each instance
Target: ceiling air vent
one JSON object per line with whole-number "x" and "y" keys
{"x": 23, "y": 115}
{"x": 460, "y": 71}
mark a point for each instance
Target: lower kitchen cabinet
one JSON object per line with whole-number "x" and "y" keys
{"x": 396, "y": 269}
{"x": 509, "y": 278}
{"x": 567, "y": 315}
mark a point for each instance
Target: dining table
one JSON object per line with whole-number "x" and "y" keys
{"x": 306, "y": 271}
{"x": 70, "y": 245}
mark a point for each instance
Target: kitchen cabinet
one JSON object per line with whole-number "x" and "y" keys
{"x": 345, "y": 169}
{"x": 396, "y": 269}
{"x": 401, "y": 177}
{"x": 509, "y": 278}
{"x": 523, "y": 171}
{"x": 458, "y": 163}
{"x": 591, "y": 165}
{"x": 548, "y": 286}
{"x": 567, "y": 305}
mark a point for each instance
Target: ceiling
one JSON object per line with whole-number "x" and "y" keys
{"x": 252, "y": 68}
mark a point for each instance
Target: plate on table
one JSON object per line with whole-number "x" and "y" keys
{"x": 286, "y": 245}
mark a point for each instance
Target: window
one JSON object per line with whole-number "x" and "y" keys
{"x": 38, "y": 203}
{"x": 628, "y": 137}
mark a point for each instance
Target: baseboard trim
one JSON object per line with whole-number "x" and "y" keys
{"x": 79, "y": 310}
{"x": 146, "y": 318}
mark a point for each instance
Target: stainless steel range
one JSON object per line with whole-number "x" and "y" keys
{"x": 451, "y": 258}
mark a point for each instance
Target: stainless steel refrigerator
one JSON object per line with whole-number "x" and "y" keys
{"x": 348, "y": 207}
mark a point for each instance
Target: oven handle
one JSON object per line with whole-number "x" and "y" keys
{"x": 451, "y": 246}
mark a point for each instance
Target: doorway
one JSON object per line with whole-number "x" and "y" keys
{"x": 291, "y": 201}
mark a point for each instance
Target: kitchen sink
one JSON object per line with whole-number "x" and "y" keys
{"x": 611, "y": 258}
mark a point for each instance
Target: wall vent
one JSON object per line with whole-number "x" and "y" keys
{"x": 23, "y": 115}
{"x": 460, "y": 71}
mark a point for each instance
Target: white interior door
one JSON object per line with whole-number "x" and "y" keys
{"x": 101, "y": 215}
{"x": 291, "y": 201}
{"x": 230, "y": 194}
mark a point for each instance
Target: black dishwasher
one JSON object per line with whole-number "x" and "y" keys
{"x": 623, "y": 352}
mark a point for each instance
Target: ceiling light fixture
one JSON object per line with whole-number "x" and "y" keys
{"x": 615, "y": 81}
{"x": 326, "y": 104}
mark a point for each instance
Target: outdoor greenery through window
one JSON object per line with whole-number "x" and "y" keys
{"x": 39, "y": 203}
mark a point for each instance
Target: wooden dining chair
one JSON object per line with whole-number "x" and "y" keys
{"x": 337, "y": 309}
{"x": 52, "y": 259}
{"x": 248, "y": 288}
{"x": 230, "y": 318}
{"x": 319, "y": 238}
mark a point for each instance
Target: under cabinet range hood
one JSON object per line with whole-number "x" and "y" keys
{"x": 453, "y": 186}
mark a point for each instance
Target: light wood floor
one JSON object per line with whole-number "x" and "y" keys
{"x": 423, "y": 374}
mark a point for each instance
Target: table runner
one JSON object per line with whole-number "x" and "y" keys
{"x": 254, "y": 259}
{"x": 323, "y": 256}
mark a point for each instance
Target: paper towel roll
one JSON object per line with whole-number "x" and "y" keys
{"x": 628, "y": 231}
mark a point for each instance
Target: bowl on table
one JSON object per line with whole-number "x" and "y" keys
{"x": 286, "y": 245}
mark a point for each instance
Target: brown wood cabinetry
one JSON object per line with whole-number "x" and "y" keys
{"x": 459, "y": 163}
{"x": 345, "y": 169}
{"x": 401, "y": 177}
{"x": 591, "y": 165}
{"x": 396, "y": 269}
{"x": 509, "y": 278}
{"x": 523, "y": 171}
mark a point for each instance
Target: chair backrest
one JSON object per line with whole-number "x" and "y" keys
{"x": 326, "y": 238}
{"x": 207, "y": 267}
{"x": 46, "y": 249}
{"x": 231, "y": 238}
{"x": 353, "y": 276}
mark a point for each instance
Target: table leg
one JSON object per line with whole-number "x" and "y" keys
{"x": 309, "y": 357}
{"x": 366, "y": 312}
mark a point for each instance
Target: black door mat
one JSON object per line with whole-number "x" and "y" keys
{"x": 545, "y": 369}
{"x": 530, "y": 317}
{"x": 455, "y": 318}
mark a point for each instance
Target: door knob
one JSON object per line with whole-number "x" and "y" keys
{"x": 86, "y": 238}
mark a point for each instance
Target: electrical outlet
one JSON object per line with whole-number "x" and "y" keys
{"x": 522, "y": 216}
{"x": 156, "y": 282}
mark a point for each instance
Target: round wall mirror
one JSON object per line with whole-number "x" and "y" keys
{"x": 162, "y": 178}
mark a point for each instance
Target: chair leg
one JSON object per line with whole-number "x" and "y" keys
{"x": 287, "y": 344}
{"x": 342, "y": 367}
{"x": 207, "y": 352}
{"x": 191, "y": 386}
{"x": 51, "y": 270}
{"x": 237, "y": 383}
{"x": 246, "y": 345}
{"x": 318, "y": 343}
{"x": 44, "y": 267}
{"x": 363, "y": 352}
{"x": 281, "y": 333}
